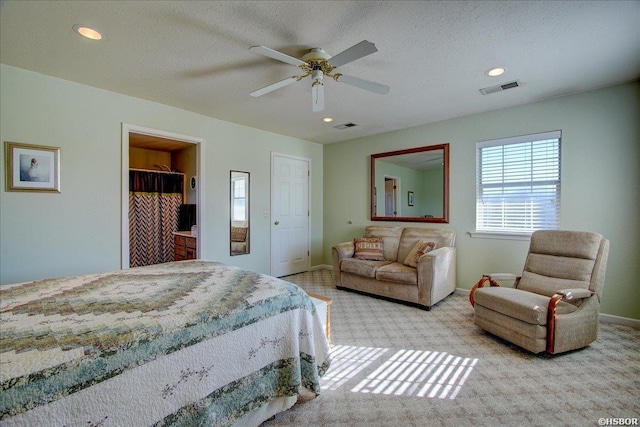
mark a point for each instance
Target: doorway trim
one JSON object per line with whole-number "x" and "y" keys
{"x": 200, "y": 173}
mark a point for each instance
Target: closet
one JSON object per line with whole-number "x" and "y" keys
{"x": 161, "y": 199}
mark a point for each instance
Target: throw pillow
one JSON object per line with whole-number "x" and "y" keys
{"x": 420, "y": 248}
{"x": 368, "y": 248}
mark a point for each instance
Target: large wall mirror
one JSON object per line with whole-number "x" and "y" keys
{"x": 239, "y": 232}
{"x": 411, "y": 185}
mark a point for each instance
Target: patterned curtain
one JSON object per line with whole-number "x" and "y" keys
{"x": 154, "y": 211}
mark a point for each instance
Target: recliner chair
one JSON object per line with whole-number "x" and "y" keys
{"x": 554, "y": 305}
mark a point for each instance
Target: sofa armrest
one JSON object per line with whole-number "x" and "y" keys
{"x": 436, "y": 275}
{"x": 344, "y": 250}
{"x": 338, "y": 253}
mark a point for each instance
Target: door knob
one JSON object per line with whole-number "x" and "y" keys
{"x": 277, "y": 222}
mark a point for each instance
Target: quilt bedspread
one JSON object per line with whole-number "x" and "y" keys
{"x": 182, "y": 343}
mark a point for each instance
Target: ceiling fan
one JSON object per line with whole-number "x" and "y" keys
{"x": 318, "y": 64}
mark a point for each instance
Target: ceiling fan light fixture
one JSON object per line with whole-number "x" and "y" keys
{"x": 495, "y": 71}
{"x": 87, "y": 32}
{"x": 317, "y": 75}
{"x": 316, "y": 54}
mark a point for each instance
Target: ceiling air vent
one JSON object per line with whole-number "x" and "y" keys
{"x": 345, "y": 126}
{"x": 500, "y": 88}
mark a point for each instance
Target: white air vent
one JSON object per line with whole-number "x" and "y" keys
{"x": 500, "y": 88}
{"x": 345, "y": 126}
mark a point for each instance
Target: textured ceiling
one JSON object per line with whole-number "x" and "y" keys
{"x": 433, "y": 54}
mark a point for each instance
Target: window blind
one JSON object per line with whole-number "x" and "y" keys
{"x": 239, "y": 200}
{"x": 518, "y": 183}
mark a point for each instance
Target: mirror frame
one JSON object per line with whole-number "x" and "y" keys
{"x": 248, "y": 212}
{"x": 445, "y": 202}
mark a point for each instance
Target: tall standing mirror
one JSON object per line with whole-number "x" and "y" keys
{"x": 411, "y": 185}
{"x": 239, "y": 230}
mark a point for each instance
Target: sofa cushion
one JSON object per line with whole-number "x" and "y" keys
{"x": 399, "y": 273}
{"x": 390, "y": 237}
{"x": 410, "y": 235}
{"x": 368, "y": 248}
{"x": 362, "y": 267}
{"x": 420, "y": 248}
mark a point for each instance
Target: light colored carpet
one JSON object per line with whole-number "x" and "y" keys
{"x": 395, "y": 365}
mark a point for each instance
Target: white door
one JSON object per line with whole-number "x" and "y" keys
{"x": 391, "y": 199}
{"x": 289, "y": 215}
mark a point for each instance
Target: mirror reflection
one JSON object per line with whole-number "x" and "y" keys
{"x": 411, "y": 185}
{"x": 239, "y": 231}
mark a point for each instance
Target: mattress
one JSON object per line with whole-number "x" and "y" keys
{"x": 183, "y": 343}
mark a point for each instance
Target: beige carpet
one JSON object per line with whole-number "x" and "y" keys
{"x": 395, "y": 365}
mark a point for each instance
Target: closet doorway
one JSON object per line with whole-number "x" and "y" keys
{"x": 161, "y": 194}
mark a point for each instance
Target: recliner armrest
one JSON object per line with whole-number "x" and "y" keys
{"x": 502, "y": 276}
{"x": 491, "y": 278}
{"x": 562, "y": 294}
{"x": 573, "y": 294}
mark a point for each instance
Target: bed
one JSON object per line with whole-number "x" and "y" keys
{"x": 182, "y": 343}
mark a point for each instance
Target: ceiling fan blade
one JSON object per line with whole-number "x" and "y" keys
{"x": 272, "y": 87}
{"x": 357, "y": 51}
{"x": 317, "y": 97}
{"x": 274, "y": 54}
{"x": 363, "y": 84}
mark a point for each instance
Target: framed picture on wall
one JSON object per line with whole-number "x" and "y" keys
{"x": 32, "y": 167}
{"x": 410, "y": 198}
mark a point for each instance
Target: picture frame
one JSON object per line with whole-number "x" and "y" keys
{"x": 410, "y": 198}
{"x": 32, "y": 168}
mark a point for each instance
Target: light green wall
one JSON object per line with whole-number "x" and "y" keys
{"x": 600, "y": 176}
{"x": 422, "y": 183}
{"x": 78, "y": 231}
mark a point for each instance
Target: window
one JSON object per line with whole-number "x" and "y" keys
{"x": 239, "y": 200}
{"x": 518, "y": 184}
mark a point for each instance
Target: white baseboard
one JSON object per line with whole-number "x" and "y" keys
{"x": 605, "y": 318}
{"x": 626, "y": 321}
{"x": 321, "y": 267}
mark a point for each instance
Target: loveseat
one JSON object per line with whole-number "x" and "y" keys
{"x": 410, "y": 264}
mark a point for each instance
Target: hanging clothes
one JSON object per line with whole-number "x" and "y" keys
{"x": 154, "y": 213}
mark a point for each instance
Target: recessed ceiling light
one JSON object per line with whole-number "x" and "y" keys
{"x": 497, "y": 71}
{"x": 327, "y": 119}
{"x": 87, "y": 32}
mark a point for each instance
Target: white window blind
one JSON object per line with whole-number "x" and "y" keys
{"x": 518, "y": 183}
{"x": 239, "y": 200}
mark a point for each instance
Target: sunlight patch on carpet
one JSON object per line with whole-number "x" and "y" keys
{"x": 430, "y": 374}
{"x": 348, "y": 361}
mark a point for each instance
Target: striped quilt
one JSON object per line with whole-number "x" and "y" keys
{"x": 181, "y": 343}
